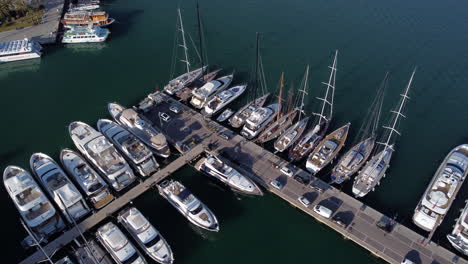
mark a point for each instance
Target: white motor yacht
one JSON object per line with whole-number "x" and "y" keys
{"x": 216, "y": 167}
{"x": 222, "y": 99}
{"x": 188, "y": 205}
{"x": 442, "y": 190}
{"x": 34, "y": 207}
{"x": 90, "y": 182}
{"x": 138, "y": 155}
{"x": 118, "y": 245}
{"x": 140, "y": 127}
{"x": 459, "y": 236}
{"x": 147, "y": 237}
{"x": 102, "y": 154}
{"x": 205, "y": 93}
{"x": 259, "y": 120}
{"x": 59, "y": 187}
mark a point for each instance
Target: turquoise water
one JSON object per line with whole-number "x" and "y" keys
{"x": 41, "y": 98}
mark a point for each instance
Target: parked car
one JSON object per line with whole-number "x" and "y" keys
{"x": 277, "y": 184}
{"x": 323, "y": 211}
{"x": 165, "y": 117}
{"x": 304, "y": 201}
{"x": 175, "y": 109}
{"x": 287, "y": 170}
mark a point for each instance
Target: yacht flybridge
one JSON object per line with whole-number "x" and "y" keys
{"x": 102, "y": 154}
{"x": 239, "y": 118}
{"x": 138, "y": 155}
{"x": 90, "y": 182}
{"x": 216, "y": 167}
{"x": 442, "y": 190}
{"x": 374, "y": 170}
{"x": 59, "y": 187}
{"x": 259, "y": 120}
{"x": 146, "y": 236}
{"x": 459, "y": 236}
{"x": 205, "y": 93}
{"x": 34, "y": 207}
{"x": 188, "y": 205}
{"x": 141, "y": 128}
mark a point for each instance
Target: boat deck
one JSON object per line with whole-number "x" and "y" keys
{"x": 358, "y": 221}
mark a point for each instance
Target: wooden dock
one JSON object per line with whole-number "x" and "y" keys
{"x": 115, "y": 205}
{"x": 357, "y": 222}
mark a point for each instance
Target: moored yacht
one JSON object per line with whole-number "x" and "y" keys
{"x": 239, "y": 118}
{"x": 90, "y": 182}
{"x": 188, "y": 205}
{"x": 459, "y": 236}
{"x": 327, "y": 149}
{"x": 34, "y": 207}
{"x": 84, "y": 6}
{"x": 205, "y": 93}
{"x": 259, "y": 120}
{"x": 442, "y": 190}
{"x": 177, "y": 84}
{"x": 19, "y": 50}
{"x": 102, "y": 154}
{"x": 277, "y": 128}
{"x": 147, "y": 237}
{"x": 352, "y": 160}
{"x": 224, "y": 115}
{"x": 141, "y": 128}
{"x": 85, "y": 35}
{"x": 118, "y": 245}
{"x": 86, "y": 19}
{"x": 216, "y": 167}
{"x": 291, "y": 135}
{"x": 139, "y": 155}
{"x": 59, "y": 187}
{"x": 222, "y": 99}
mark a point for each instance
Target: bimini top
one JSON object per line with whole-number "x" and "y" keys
{"x": 16, "y": 46}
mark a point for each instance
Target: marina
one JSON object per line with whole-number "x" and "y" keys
{"x": 311, "y": 214}
{"x": 350, "y": 217}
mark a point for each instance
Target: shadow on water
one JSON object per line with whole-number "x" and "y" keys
{"x": 124, "y": 21}
{"x": 10, "y": 155}
{"x": 19, "y": 66}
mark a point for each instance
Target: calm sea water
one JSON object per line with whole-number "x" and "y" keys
{"x": 39, "y": 99}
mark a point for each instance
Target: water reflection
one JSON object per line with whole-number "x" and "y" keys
{"x": 90, "y": 48}
{"x": 19, "y": 66}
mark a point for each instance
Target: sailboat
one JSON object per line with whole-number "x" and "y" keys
{"x": 294, "y": 132}
{"x": 178, "y": 83}
{"x": 239, "y": 118}
{"x": 355, "y": 158}
{"x": 375, "y": 168}
{"x": 311, "y": 138}
{"x": 281, "y": 123}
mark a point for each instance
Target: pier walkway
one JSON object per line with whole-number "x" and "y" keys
{"x": 46, "y": 31}
{"x": 358, "y": 221}
{"x": 114, "y": 206}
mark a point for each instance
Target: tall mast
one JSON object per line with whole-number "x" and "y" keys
{"x": 398, "y": 113}
{"x": 200, "y": 38}
{"x": 280, "y": 96}
{"x": 184, "y": 45}
{"x": 257, "y": 52}
{"x": 330, "y": 84}
{"x": 304, "y": 91}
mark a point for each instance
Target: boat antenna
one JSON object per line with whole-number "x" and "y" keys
{"x": 398, "y": 113}
{"x": 200, "y": 41}
{"x": 330, "y": 84}
{"x": 184, "y": 44}
{"x": 36, "y": 242}
{"x": 256, "y": 65}
{"x": 280, "y": 96}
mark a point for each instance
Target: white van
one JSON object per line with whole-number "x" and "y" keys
{"x": 323, "y": 211}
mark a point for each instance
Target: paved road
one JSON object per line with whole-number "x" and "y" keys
{"x": 46, "y": 31}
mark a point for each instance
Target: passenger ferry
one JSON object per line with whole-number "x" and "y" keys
{"x": 86, "y": 18}
{"x": 85, "y": 35}
{"x": 19, "y": 50}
